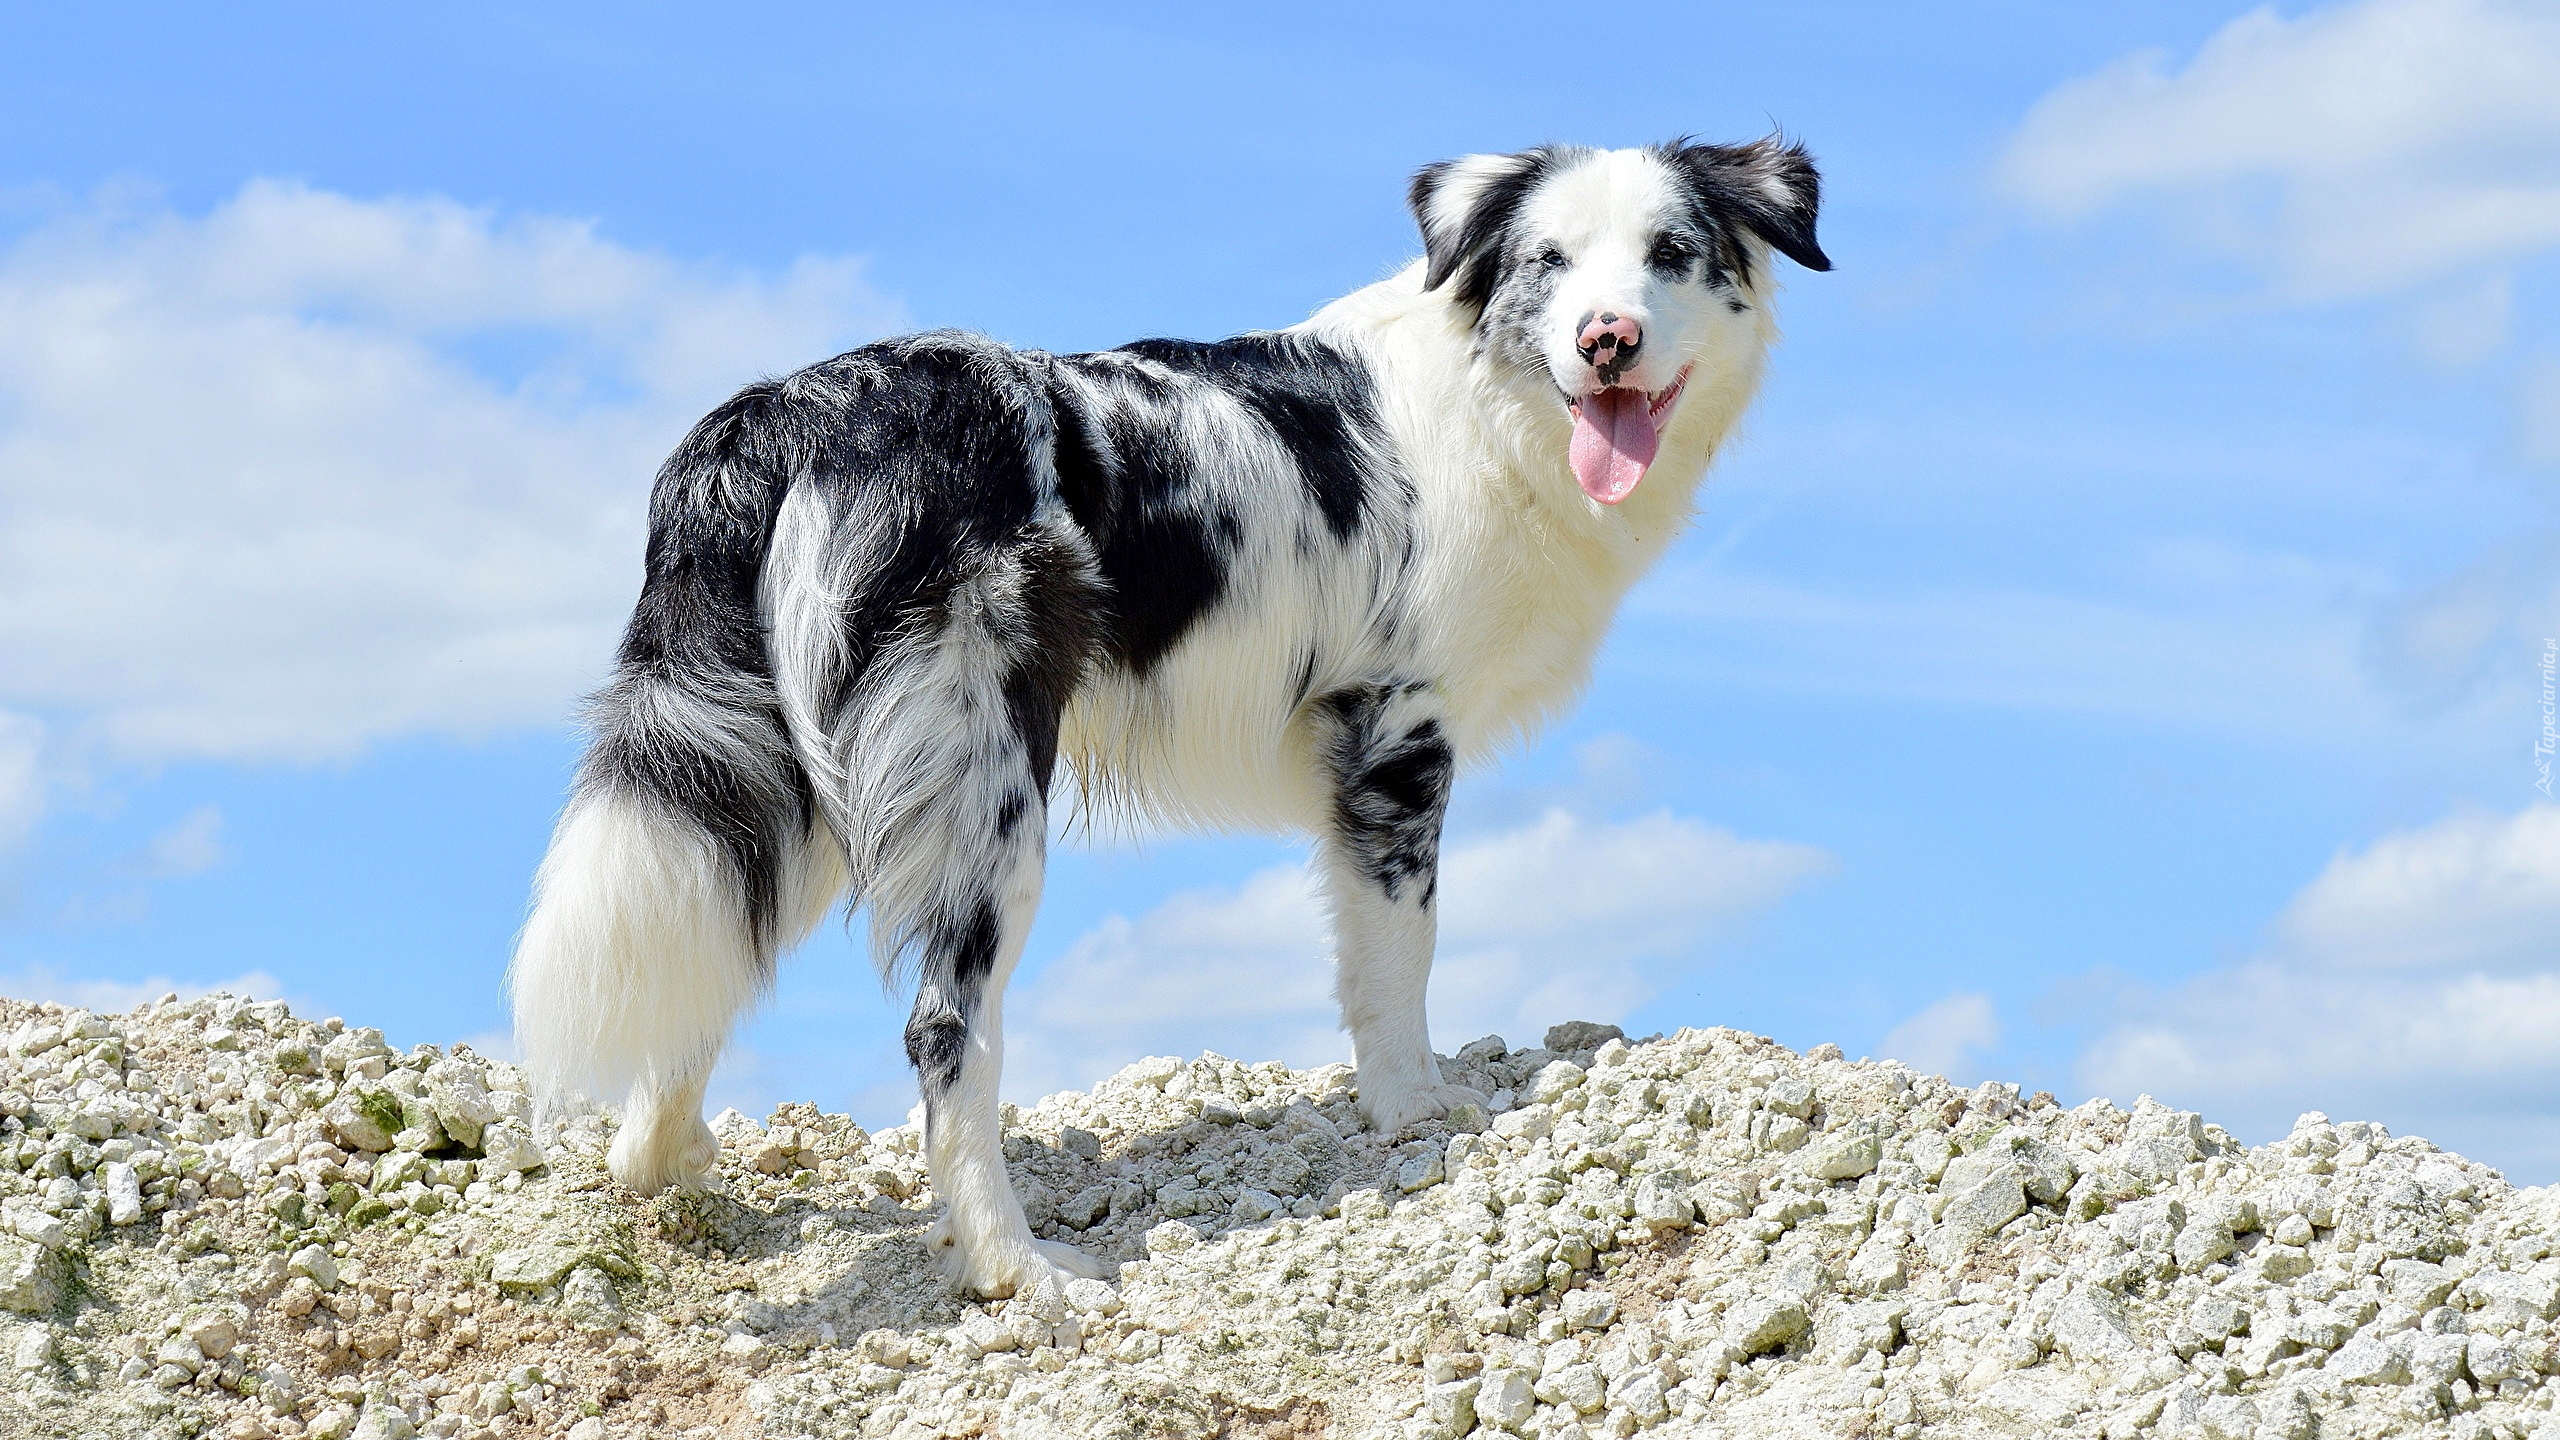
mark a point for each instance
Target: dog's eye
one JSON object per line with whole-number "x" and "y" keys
{"x": 1552, "y": 258}
{"x": 1668, "y": 252}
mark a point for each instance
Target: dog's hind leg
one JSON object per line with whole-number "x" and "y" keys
{"x": 937, "y": 769}
{"x": 956, "y": 1039}
{"x": 1388, "y": 761}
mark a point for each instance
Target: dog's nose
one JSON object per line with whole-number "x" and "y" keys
{"x": 1608, "y": 342}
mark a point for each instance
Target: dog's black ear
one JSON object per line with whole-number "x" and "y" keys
{"x": 1768, "y": 185}
{"x": 1465, "y": 207}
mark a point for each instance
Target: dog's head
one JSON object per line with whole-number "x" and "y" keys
{"x": 1613, "y": 274}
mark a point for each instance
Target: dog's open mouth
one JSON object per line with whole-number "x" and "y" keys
{"x": 1615, "y": 435}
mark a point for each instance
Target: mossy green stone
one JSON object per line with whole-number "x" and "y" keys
{"x": 381, "y": 1107}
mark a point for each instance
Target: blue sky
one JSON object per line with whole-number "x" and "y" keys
{"x": 2109, "y": 660}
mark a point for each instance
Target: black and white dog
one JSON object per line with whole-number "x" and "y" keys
{"x": 1291, "y": 580}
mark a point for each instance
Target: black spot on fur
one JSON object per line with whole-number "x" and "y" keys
{"x": 960, "y": 956}
{"x": 1391, "y": 790}
{"x": 1163, "y": 541}
{"x": 1314, "y": 399}
{"x": 937, "y": 1039}
{"x": 1126, "y": 477}
{"x": 1768, "y": 187}
{"x": 1049, "y": 646}
{"x": 1470, "y": 250}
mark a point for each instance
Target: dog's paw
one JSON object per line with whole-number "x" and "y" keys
{"x": 646, "y": 1159}
{"x": 993, "y": 1270}
{"x": 1393, "y": 1111}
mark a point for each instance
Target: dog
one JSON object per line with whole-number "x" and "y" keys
{"x": 1294, "y": 580}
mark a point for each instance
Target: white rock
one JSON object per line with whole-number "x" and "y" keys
{"x": 1844, "y": 1156}
{"x": 2090, "y": 1325}
{"x": 506, "y": 1150}
{"x": 1765, "y": 1323}
{"x": 1982, "y": 1200}
{"x": 30, "y": 1277}
{"x": 1420, "y": 1172}
{"x": 315, "y": 1264}
{"x": 462, "y": 1105}
{"x": 2368, "y": 1360}
{"x": 2229, "y": 1417}
{"x": 1589, "y": 1309}
{"x": 2416, "y": 1284}
{"x": 1553, "y": 1081}
{"x": 2491, "y": 1359}
{"x": 1663, "y": 1201}
{"x": 124, "y": 1195}
{"x": 1503, "y": 1400}
{"x": 1640, "y": 1395}
{"x": 1581, "y": 1387}
{"x": 1450, "y": 1409}
{"x": 213, "y": 1334}
{"x": 181, "y": 1352}
{"x": 32, "y": 1224}
{"x": 1504, "y": 1273}
{"x": 382, "y": 1422}
{"x": 1092, "y": 1297}
{"x": 361, "y": 1124}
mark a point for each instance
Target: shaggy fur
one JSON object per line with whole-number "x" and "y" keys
{"x": 1291, "y": 580}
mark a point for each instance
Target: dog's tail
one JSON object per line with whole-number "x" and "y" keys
{"x": 690, "y": 852}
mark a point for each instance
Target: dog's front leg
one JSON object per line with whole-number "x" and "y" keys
{"x": 1386, "y": 751}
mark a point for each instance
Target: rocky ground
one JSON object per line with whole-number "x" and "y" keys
{"x": 223, "y": 1219}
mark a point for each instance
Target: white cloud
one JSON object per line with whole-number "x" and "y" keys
{"x": 2388, "y": 139}
{"x": 191, "y": 846}
{"x": 22, "y": 778}
{"x": 1562, "y": 918}
{"x": 2416, "y": 980}
{"x": 2478, "y": 892}
{"x": 310, "y": 470}
{"x": 48, "y": 983}
{"x": 1948, "y": 1038}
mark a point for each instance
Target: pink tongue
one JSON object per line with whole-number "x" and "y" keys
{"x": 1613, "y": 441}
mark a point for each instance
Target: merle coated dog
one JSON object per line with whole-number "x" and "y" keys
{"x": 1291, "y": 580}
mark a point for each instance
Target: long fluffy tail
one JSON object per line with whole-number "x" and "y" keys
{"x": 690, "y": 851}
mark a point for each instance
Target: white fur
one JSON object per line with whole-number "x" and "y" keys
{"x": 634, "y": 966}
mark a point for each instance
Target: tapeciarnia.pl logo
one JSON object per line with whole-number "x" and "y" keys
{"x": 2550, "y": 737}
